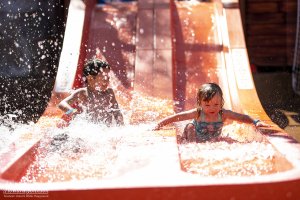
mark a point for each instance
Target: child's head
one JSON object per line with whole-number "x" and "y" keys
{"x": 96, "y": 73}
{"x": 94, "y": 66}
{"x": 207, "y": 92}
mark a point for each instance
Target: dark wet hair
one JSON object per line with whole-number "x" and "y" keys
{"x": 93, "y": 66}
{"x": 208, "y": 91}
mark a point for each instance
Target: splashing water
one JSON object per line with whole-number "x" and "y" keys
{"x": 92, "y": 152}
{"x": 247, "y": 153}
{"x": 85, "y": 151}
{"x": 12, "y": 131}
{"x": 223, "y": 159}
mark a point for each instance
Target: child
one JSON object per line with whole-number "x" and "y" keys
{"x": 208, "y": 118}
{"x": 96, "y": 98}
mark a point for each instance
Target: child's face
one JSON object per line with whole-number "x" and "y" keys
{"x": 213, "y": 106}
{"x": 100, "y": 81}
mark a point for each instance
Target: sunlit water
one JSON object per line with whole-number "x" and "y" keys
{"x": 89, "y": 151}
{"x": 12, "y": 131}
{"x": 229, "y": 159}
{"x": 84, "y": 150}
{"x": 92, "y": 152}
{"x": 240, "y": 151}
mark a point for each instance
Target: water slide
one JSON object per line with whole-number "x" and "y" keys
{"x": 160, "y": 52}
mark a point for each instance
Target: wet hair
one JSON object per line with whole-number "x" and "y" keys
{"x": 208, "y": 91}
{"x": 93, "y": 67}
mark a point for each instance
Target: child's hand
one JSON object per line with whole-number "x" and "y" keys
{"x": 66, "y": 118}
{"x": 156, "y": 128}
{"x": 262, "y": 124}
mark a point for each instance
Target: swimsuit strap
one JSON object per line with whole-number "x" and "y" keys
{"x": 202, "y": 116}
{"x": 220, "y": 117}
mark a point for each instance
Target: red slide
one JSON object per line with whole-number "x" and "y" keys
{"x": 160, "y": 53}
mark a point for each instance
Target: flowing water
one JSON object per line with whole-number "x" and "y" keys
{"x": 241, "y": 150}
{"x": 84, "y": 150}
{"x": 92, "y": 152}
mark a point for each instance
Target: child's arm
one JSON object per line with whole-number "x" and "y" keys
{"x": 66, "y": 104}
{"x": 228, "y": 114}
{"x": 116, "y": 110}
{"x": 119, "y": 118}
{"x": 190, "y": 114}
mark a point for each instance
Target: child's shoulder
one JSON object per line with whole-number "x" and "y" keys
{"x": 230, "y": 114}
{"x": 80, "y": 91}
{"x": 110, "y": 91}
{"x": 226, "y": 112}
{"x": 193, "y": 111}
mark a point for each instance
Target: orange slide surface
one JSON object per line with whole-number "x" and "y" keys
{"x": 160, "y": 51}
